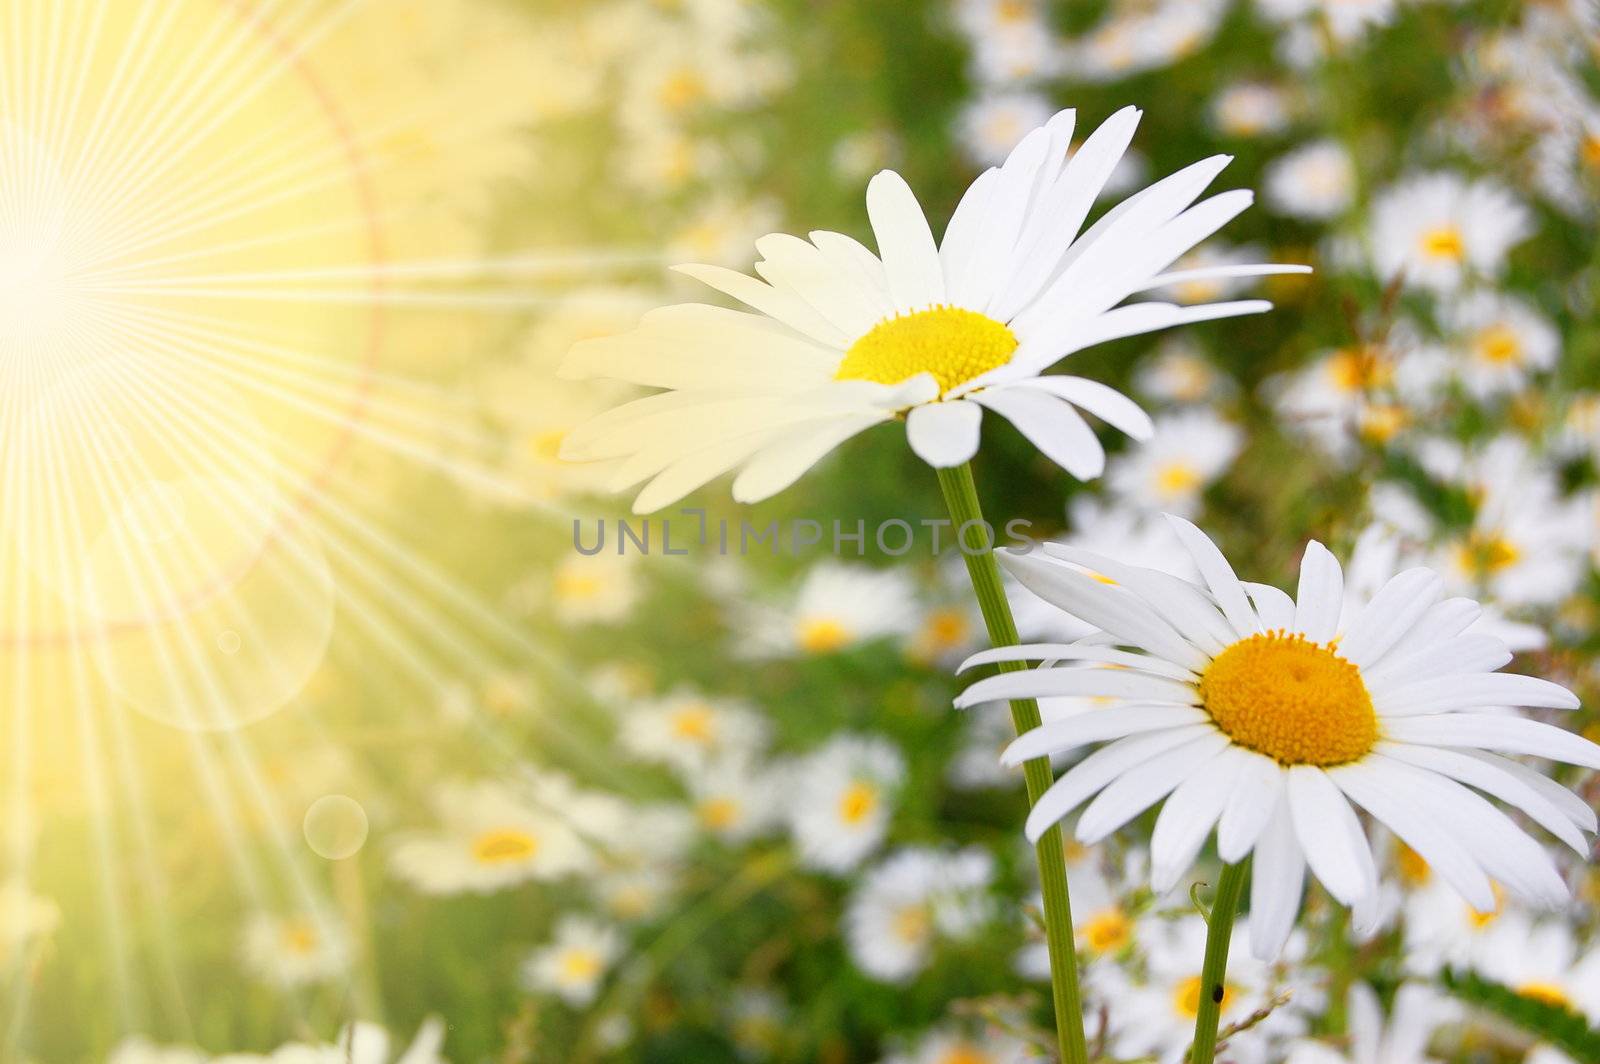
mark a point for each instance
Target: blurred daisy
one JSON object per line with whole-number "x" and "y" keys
{"x": 843, "y": 340}
{"x": 295, "y": 950}
{"x": 1156, "y": 1016}
{"x": 840, "y": 799}
{"x": 489, "y": 838}
{"x": 26, "y": 918}
{"x": 734, "y": 799}
{"x": 1249, "y": 109}
{"x": 1541, "y": 961}
{"x": 1527, "y": 545}
{"x": 756, "y": 1023}
{"x": 1103, "y": 924}
{"x": 594, "y": 588}
{"x": 573, "y": 965}
{"x": 1440, "y": 927}
{"x": 1502, "y": 340}
{"x": 910, "y": 900}
{"x": 1180, "y": 372}
{"x": 1316, "y": 181}
{"x": 991, "y": 125}
{"x": 1419, "y": 1011}
{"x": 948, "y": 1046}
{"x": 1438, "y": 229}
{"x": 1345, "y": 19}
{"x": 1188, "y": 452}
{"x": 140, "y": 1050}
{"x": 1265, "y": 718}
{"x": 685, "y": 730}
{"x": 837, "y": 608}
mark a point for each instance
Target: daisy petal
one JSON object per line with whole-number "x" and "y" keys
{"x": 1091, "y": 682}
{"x": 1101, "y": 767}
{"x": 1277, "y": 878}
{"x": 1050, "y": 425}
{"x": 1249, "y": 807}
{"x": 1139, "y": 788}
{"x": 1398, "y": 605}
{"x": 1444, "y": 694}
{"x": 1218, "y": 574}
{"x": 1189, "y": 815}
{"x": 782, "y": 462}
{"x": 905, "y": 243}
{"x": 944, "y": 434}
{"x": 1105, "y": 403}
{"x": 1321, "y": 594}
{"x": 1096, "y": 726}
{"x": 1510, "y": 735}
{"x": 1339, "y": 855}
{"x": 1078, "y": 652}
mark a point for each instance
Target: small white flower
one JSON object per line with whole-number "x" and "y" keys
{"x": 1188, "y": 452}
{"x": 297, "y": 949}
{"x": 735, "y": 799}
{"x": 596, "y": 588}
{"x": 1419, "y": 1011}
{"x": 490, "y": 838}
{"x": 1439, "y": 229}
{"x": 841, "y": 799}
{"x": 837, "y": 608}
{"x": 1542, "y": 961}
{"x": 1500, "y": 340}
{"x": 1180, "y": 372}
{"x": 1250, "y": 109}
{"x": 1316, "y": 181}
{"x": 685, "y": 730}
{"x": 991, "y": 126}
{"x": 910, "y": 900}
{"x": 573, "y": 965}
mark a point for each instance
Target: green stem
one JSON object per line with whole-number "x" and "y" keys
{"x": 1213, "y": 976}
{"x": 961, "y": 497}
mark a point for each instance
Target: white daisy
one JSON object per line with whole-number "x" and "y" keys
{"x": 1180, "y": 372}
{"x": 1438, "y": 229}
{"x": 991, "y": 125}
{"x": 843, "y": 340}
{"x": 837, "y": 607}
{"x": 1501, "y": 340}
{"x": 950, "y": 1046}
{"x": 1440, "y": 927}
{"x": 1418, "y": 1011}
{"x": 840, "y": 800}
{"x": 1156, "y": 1015}
{"x": 1188, "y": 452}
{"x": 574, "y": 963}
{"x": 596, "y": 588}
{"x": 685, "y": 730}
{"x": 734, "y": 799}
{"x": 1542, "y": 961}
{"x": 1249, "y": 109}
{"x": 490, "y": 838}
{"x": 909, "y": 901}
{"x": 296, "y": 949}
{"x": 1316, "y": 181}
{"x": 1265, "y": 718}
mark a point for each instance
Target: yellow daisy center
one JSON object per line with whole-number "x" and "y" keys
{"x": 694, "y": 724}
{"x": 1186, "y": 997}
{"x": 1108, "y": 931}
{"x": 1547, "y": 993}
{"x": 912, "y": 923}
{"x": 1498, "y": 345}
{"x": 945, "y": 629}
{"x": 965, "y": 1053}
{"x": 1484, "y": 555}
{"x": 1177, "y": 478}
{"x": 682, "y": 90}
{"x": 1360, "y": 370}
{"x": 299, "y": 938}
{"x": 1382, "y": 422}
{"x": 954, "y": 345}
{"x": 1443, "y": 242}
{"x": 504, "y": 845}
{"x": 857, "y": 803}
{"x": 719, "y": 814}
{"x": 1293, "y": 700}
{"x": 577, "y": 587}
{"x": 820, "y": 635}
{"x": 579, "y": 966}
{"x": 1590, "y": 152}
{"x": 1412, "y": 866}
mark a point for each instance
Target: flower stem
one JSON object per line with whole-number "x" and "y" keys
{"x": 1213, "y": 975}
{"x": 961, "y": 498}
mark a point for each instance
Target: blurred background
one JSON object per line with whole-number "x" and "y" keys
{"x": 314, "y": 714}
